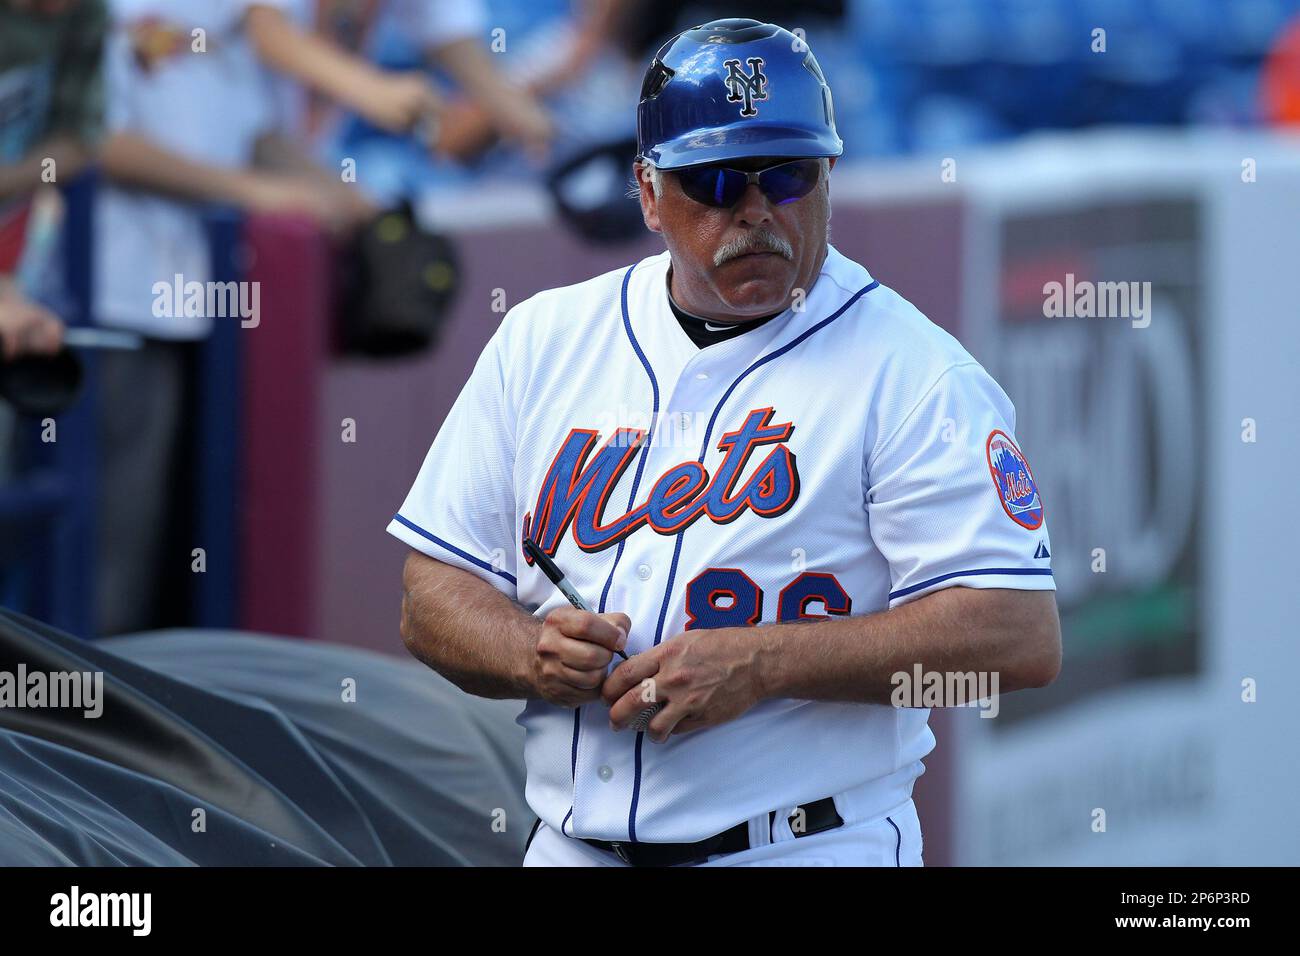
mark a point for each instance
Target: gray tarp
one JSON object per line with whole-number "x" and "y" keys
{"x": 254, "y": 731}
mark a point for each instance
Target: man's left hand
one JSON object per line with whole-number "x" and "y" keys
{"x": 703, "y": 678}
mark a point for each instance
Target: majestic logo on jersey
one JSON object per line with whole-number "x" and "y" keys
{"x": 745, "y": 87}
{"x": 1015, "y": 483}
{"x": 578, "y": 485}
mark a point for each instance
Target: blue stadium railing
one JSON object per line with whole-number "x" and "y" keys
{"x": 215, "y": 593}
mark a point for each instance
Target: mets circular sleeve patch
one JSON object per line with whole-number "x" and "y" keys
{"x": 1013, "y": 480}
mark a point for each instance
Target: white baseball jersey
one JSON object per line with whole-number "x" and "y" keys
{"x": 842, "y": 458}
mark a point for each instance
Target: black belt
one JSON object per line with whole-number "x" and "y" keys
{"x": 818, "y": 816}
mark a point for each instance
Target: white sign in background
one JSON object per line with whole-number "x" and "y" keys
{"x": 1183, "y": 770}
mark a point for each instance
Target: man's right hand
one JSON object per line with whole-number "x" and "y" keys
{"x": 26, "y": 327}
{"x": 574, "y": 652}
{"x": 397, "y": 101}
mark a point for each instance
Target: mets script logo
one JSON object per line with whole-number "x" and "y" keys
{"x": 1014, "y": 481}
{"x": 578, "y": 485}
{"x": 745, "y": 87}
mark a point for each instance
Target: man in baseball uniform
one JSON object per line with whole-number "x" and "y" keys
{"x": 779, "y": 487}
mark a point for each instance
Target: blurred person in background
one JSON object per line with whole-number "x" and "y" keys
{"x": 26, "y": 327}
{"x": 191, "y": 122}
{"x": 312, "y": 66}
{"x": 481, "y": 101}
{"x": 50, "y": 117}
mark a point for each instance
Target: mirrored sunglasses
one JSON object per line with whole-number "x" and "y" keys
{"x": 722, "y": 186}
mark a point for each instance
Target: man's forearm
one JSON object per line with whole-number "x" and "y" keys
{"x": 473, "y": 69}
{"x": 133, "y": 160}
{"x": 310, "y": 59}
{"x": 69, "y": 154}
{"x": 956, "y": 630}
{"x": 466, "y": 630}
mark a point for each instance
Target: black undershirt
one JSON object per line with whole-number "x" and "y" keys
{"x": 703, "y": 336}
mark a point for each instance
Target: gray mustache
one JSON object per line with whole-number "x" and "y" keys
{"x": 760, "y": 240}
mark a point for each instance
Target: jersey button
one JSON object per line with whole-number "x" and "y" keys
{"x": 643, "y": 572}
{"x": 605, "y": 773}
{"x": 702, "y": 376}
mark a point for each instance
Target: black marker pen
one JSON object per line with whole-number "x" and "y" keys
{"x": 549, "y": 568}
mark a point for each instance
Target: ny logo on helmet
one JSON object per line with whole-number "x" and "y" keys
{"x": 745, "y": 87}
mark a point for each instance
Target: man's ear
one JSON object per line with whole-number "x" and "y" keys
{"x": 649, "y": 203}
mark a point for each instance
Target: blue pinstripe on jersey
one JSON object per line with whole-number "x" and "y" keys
{"x": 631, "y": 499}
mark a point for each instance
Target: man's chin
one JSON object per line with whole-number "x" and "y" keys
{"x": 756, "y": 295}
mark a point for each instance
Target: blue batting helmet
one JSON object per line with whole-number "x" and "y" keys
{"x": 733, "y": 89}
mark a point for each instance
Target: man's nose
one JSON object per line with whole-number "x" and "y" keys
{"x": 753, "y": 207}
